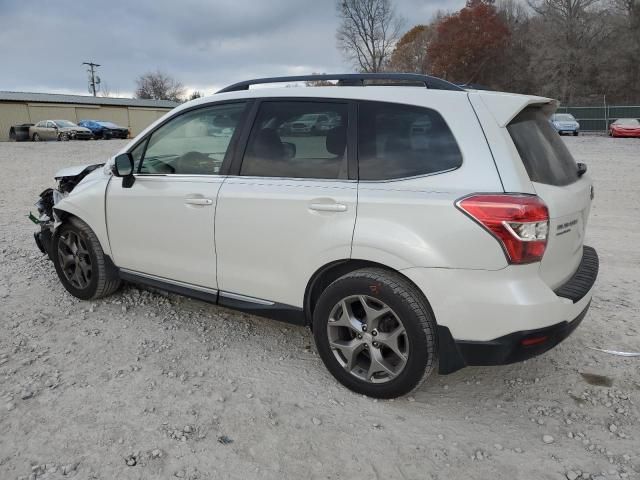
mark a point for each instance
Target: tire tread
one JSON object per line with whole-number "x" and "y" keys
{"x": 105, "y": 287}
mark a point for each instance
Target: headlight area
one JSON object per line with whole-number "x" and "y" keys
{"x": 47, "y": 219}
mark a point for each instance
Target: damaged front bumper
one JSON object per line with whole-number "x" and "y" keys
{"x": 48, "y": 219}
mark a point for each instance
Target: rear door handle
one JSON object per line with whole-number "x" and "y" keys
{"x": 328, "y": 207}
{"x": 198, "y": 201}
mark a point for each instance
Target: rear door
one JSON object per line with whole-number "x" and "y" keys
{"x": 290, "y": 208}
{"x": 555, "y": 178}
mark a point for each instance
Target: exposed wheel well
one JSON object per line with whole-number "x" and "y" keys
{"x": 329, "y": 273}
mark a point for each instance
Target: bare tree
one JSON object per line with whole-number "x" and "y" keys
{"x": 367, "y": 32}
{"x": 569, "y": 32}
{"x": 319, "y": 83}
{"x": 159, "y": 86}
{"x": 107, "y": 91}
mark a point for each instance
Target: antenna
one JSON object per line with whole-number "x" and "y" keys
{"x": 94, "y": 80}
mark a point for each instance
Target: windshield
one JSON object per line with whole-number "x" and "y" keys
{"x": 108, "y": 124}
{"x": 627, "y": 121}
{"x": 564, "y": 117}
{"x": 64, "y": 123}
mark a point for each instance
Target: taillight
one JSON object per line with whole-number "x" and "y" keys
{"x": 519, "y": 222}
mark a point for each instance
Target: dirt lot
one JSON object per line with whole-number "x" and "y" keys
{"x": 145, "y": 385}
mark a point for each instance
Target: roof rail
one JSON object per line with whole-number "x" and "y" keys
{"x": 352, "y": 79}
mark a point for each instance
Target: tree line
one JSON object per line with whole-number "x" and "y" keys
{"x": 578, "y": 51}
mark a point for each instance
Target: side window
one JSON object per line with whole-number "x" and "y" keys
{"x": 194, "y": 143}
{"x": 298, "y": 140}
{"x": 399, "y": 141}
{"x": 50, "y": 125}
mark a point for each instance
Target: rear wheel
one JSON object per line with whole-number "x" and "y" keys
{"x": 375, "y": 333}
{"x": 36, "y": 137}
{"x": 575, "y": 134}
{"x": 80, "y": 262}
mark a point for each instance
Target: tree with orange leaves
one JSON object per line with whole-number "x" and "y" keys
{"x": 469, "y": 44}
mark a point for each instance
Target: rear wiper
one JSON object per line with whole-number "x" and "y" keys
{"x": 582, "y": 169}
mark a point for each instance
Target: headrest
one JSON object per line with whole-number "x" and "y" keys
{"x": 267, "y": 144}
{"x": 337, "y": 140}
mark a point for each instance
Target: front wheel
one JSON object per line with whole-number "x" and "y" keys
{"x": 575, "y": 134}
{"x": 80, "y": 262}
{"x": 375, "y": 333}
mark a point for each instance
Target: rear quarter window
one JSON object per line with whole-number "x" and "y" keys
{"x": 544, "y": 154}
{"x": 400, "y": 141}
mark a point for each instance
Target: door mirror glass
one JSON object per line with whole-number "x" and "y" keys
{"x": 123, "y": 165}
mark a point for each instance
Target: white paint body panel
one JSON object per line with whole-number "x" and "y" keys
{"x": 269, "y": 241}
{"x": 153, "y": 230}
{"x": 86, "y": 202}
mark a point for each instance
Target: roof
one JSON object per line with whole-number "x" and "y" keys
{"x": 83, "y": 99}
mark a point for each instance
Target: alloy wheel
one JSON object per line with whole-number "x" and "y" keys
{"x": 368, "y": 339}
{"x": 75, "y": 259}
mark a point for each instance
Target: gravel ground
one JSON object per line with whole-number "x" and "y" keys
{"x": 148, "y": 385}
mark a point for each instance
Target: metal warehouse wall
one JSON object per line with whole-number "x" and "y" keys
{"x": 598, "y": 119}
{"x": 136, "y": 118}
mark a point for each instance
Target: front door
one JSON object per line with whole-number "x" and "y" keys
{"x": 291, "y": 206}
{"x": 163, "y": 225}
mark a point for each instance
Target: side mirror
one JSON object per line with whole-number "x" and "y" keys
{"x": 123, "y": 167}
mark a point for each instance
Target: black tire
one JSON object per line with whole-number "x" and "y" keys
{"x": 575, "y": 134}
{"x": 100, "y": 283}
{"x": 36, "y": 137}
{"x": 409, "y": 305}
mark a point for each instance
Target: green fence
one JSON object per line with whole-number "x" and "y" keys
{"x": 598, "y": 119}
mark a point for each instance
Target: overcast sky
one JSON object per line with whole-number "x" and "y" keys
{"x": 205, "y": 44}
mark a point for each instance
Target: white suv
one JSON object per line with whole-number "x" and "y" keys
{"x": 430, "y": 224}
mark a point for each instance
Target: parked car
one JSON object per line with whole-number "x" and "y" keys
{"x": 565, "y": 123}
{"x": 58, "y": 130}
{"x": 20, "y": 133}
{"x": 467, "y": 247}
{"x": 105, "y": 130}
{"x": 314, "y": 123}
{"x": 625, "y": 127}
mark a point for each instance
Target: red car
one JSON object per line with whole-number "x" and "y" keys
{"x": 625, "y": 127}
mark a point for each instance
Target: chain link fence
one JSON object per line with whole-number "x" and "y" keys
{"x": 598, "y": 119}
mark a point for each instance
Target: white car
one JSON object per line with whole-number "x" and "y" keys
{"x": 430, "y": 225}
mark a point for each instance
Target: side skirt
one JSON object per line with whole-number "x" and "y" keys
{"x": 253, "y": 306}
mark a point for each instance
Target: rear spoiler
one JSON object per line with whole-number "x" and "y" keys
{"x": 505, "y": 106}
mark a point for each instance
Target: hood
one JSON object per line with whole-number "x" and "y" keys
{"x": 77, "y": 170}
{"x": 69, "y": 177}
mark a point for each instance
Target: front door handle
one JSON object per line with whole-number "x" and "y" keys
{"x": 328, "y": 207}
{"x": 198, "y": 201}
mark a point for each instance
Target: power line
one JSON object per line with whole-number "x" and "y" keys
{"x": 94, "y": 80}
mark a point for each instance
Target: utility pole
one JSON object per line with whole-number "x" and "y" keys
{"x": 93, "y": 79}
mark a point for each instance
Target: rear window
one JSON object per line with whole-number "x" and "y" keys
{"x": 399, "y": 141}
{"x": 544, "y": 154}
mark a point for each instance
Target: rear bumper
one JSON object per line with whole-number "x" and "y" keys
{"x": 511, "y": 348}
{"x": 483, "y": 316}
